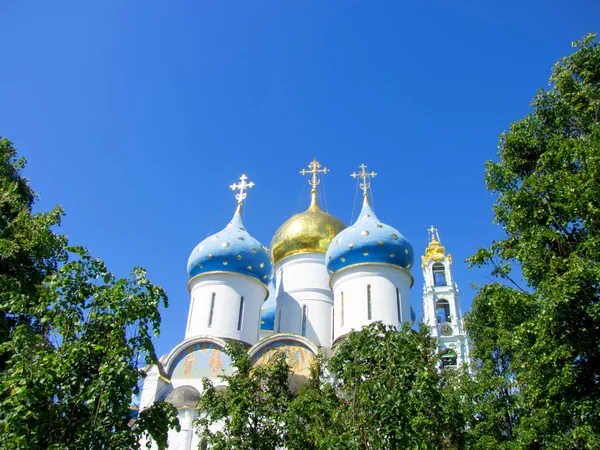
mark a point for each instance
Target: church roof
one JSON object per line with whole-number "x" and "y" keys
{"x": 232, "y": 250}
{"x": 369, "y": 240}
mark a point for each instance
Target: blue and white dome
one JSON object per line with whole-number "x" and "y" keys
{"x": 231, "y": 250}
{"x": 369, "y": 241}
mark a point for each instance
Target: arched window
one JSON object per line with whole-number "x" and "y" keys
{"x": 449, "y": 358}
{"x": 442, "y": 308}
{"x": 439, "y": 274}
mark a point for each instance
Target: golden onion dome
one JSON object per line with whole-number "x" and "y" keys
{"x": 310, "y": 231}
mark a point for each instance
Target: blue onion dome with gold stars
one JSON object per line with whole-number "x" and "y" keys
{"x": 232, "y": 249}
{"x": 369, "y": 240}
{"x": 310, "y": 231}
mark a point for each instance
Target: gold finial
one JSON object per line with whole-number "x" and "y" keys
{"x": 365, "y": 185}
{"x": 434, "y": 250}
{"x": 315, "y": 168}
{"x": 241, "y": 186}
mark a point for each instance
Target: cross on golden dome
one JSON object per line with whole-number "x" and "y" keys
{"x": 365, "y": 185}
{"x": 315, "y": 168}
{"x": 241, "y": 186}
{"x": 434, "y": 251}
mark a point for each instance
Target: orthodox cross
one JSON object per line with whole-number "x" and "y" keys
{"x": 241, "y": 186}
{"x": 315, "y": 168}
{"x": 365, "y": 176}
{"x": 433, "y": 233}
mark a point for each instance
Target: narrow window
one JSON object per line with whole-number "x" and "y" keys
{"x": 259, "y": 325}
{"x": 398, "y": 305}
{"x": 304, "y": 312}
{"x": 342, "y": 309}
{"x": 212, "y": 310}
{"x": 279, "y": 321}
{"x": 191, "y": 313}
{"x": 241, "y": 313}
{"x": 369, "y": 310}
{"x": 332, "y": 323}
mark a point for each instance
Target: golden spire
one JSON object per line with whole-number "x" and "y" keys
{"x": 241, "y": 186}
{"x": 434, "y": 250}
{"x": 365, "y": 185}
{"x": 315, "y": 168}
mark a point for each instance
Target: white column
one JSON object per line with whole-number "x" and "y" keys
{"x": 304, "y": 298}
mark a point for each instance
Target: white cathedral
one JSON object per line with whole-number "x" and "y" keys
{"x": 318, "y": 281}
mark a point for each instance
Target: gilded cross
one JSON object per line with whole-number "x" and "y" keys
{"x": 433, "y": 233}
{"x": 241, "y": 186}
{"x": 365, "y": 176}
{"x": 315, "y": 168}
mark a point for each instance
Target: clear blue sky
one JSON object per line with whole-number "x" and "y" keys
{"x": 136, "y": 116}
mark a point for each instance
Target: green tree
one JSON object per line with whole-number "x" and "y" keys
{"x": 381, "y": 388}
{"x": 73, "y": 334}
{"x": 250, "y": 412}
{"x": 539, "y": 346}
{"x": 29, "y": 249}
{"x": 390, "y": 392}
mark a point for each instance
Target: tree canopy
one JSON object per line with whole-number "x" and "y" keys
{"x": 72, "y": 334}
{"x": 538, "y": 345}
{"x": 381, "y": 388}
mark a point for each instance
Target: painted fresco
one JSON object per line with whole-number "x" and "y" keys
{"x": 298, "y": 357}
{"x": 204, "y": 359}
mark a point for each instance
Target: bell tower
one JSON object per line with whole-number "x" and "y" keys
{"x": 441, "y": 303}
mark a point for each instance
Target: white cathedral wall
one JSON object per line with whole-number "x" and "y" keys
{"x": 302, "y": 280}
{"x": 350, "y": 288}
{"x": 221, "y": 319}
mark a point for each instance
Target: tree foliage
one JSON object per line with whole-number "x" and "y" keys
{"x": 73, "y": 334}
{"x": 382, "y": 388}
{"x": 539, "y": 345}
{"x": 386, "y": 391}
{"x": 250, "y": 412}
{"x": 29, "y": 249}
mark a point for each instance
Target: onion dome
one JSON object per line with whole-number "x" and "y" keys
{"x": 232, "y": 249}
{"x": 310, "y": 231}
{"x": 369, "y": 241}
